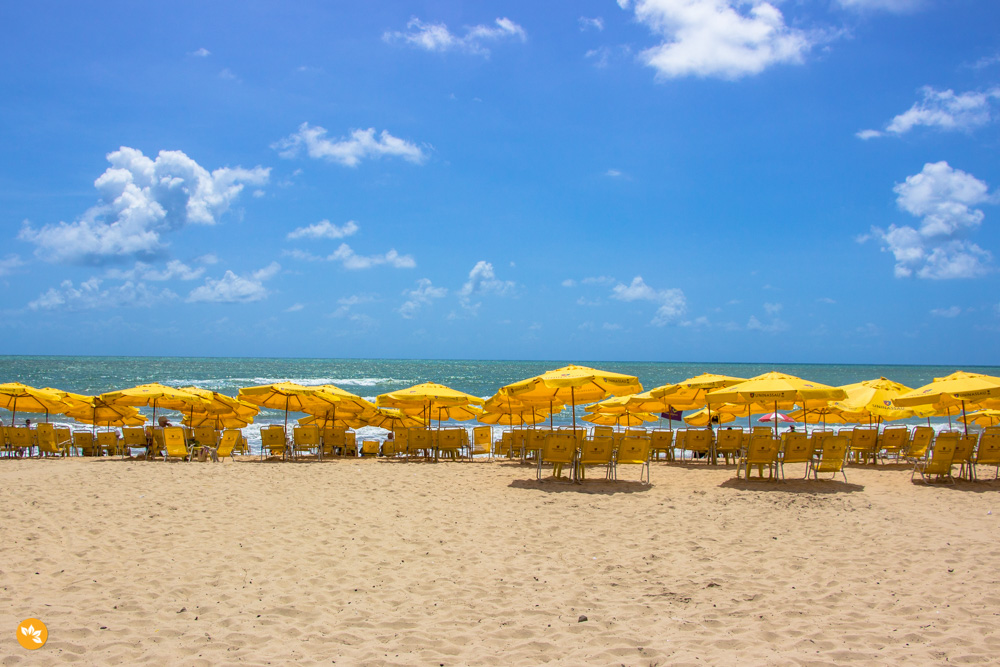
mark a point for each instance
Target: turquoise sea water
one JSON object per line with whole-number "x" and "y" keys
{"x": 370, "y": 377}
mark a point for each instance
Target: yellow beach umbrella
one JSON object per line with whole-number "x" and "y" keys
{"x": 393, "y": 418}
{"x": 289, "y": 396}
{"x": 433, "y": 401}
{"x": 780, "y": 390}
{"x": 618, "y": 418}
{"x": 693, "y": 392}
{"x": 154, "y": 395}
{"x": 94, "y": 410}
{"x": 15, "y": 396}
{"x": 216, "y": 421}
{"x": 345, "y": 420}
{"x": 875, "y": 397}
{"x": 958, "y": 389}
{"x": 703, "y": 417}
{"x": 983, "y": 418}
{"x": 573, "y": 385}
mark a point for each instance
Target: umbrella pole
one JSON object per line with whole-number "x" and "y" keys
{"x": 13, "y": 418}
{"x": 572, "y": 398}
{"x": 775, "y": 419}
{"x": 965, "y": 419}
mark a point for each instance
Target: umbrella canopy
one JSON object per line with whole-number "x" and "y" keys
{"x": 154, "y": 395}
{"x": 703, "y": 418}
{"x": 958, "y": 389}
{"x": 982, "y": 418}
{"x": 433, "y": 401}
{"x": 693, "y": 392}
{"x": 512, "y": 418}
{"x": 344, "y": 421}
{"x": 94, "y": 410}
{"x": 15, "y": 396}
{"x": 573, "y": 385}
{"x": 776, "y": 417}
{"x": 828, "y": 414}
{"x": 216, "y": 421}
{"x": 780, "y": 390}
{"x": 646, "y": 402}
{"x": 289, "y": 396}
{"x": 347, "y": 401}
{"x": 875, "y": 398}
{"x": 619, "y": 418}
{"x": 503, "y": 410}
{"x": 393, "y": 418}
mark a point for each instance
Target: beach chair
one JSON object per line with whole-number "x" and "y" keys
{"x": 603, "y": 431}
{"x": 175, "y": 444}
{"x": 400, "y": 443}
{"x": 939, "y": 460}
{"x": 501, "y": 446}
{"x": 273, "y": 441}
{"x": 534, "y": 440}
{"x": 133, "y": 437}
{"x": 595, "y": 451}
{"x": 350, "y": 444}
{"x": 64, "y": 438}
{"x": 206, "y": 436}
{"x": 965, "y": 453}
{"x": 988, "y": 452}
{"x": 892, "y": 442}
{"x": 729, "y": 442}
{"x": 920, "y": 441}
{"x": 107, "y": 443}
{"x": 482, "y": 437}
{"x": 45, "y": 438}
{"x": 680, "y": 436}
{"x": 863, "y": 444}
{"x": 765, "y": 431}
{"x": 833, "y": 457}
{"x": 332, "y": 440}
{"x": 559, "y": 449}
{"x": 661, "y": 440}
{"x": 369, "y": 448}
{"x": 83, "y": 443}
{"x": 796, "y": 448}
{"x": 699, "y": 443}
{"x": 762, "y": 451}
{"x": 305, "y": 439}
{"x": 20, "y": 439}
{"x": 632, "y": 451}
{"x": 228, "y": 442}
{"x": 449, "y": 442}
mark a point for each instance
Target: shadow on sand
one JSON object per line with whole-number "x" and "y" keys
{"x": 588, "y": 486}
{"x": 807, "y": 486}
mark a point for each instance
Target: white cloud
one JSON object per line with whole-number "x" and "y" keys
{"x": 772, "y": 308}
{"x": 232, "y": 288}
{"x": 437, "y": 37}
{"x": 353, "y": 261}
{"x": 141, "y": 199}
{"x": 89, "y": 296}
{"x": 324, "y": 229}
{"x": 201, "y": 53}
{"x": 611, "y": 326}
{"x": 718, "y": 38}
{"x": 954, "y": 311}
{"x": 887, "y": 5}
{"x": 598, "y": 280}
{"x": 348, "y": 151}
{"x": 207, "y": 259}
{"x": 482, "y": 280}
{"x": 9, "y": 264}
{"x": 613, "y": 173}
{"x": 596, "y": 23}
{"x": 228, "y": 75}
{"x": 986, "y": 61}
{"x": 944, "y": 110}
{"x": 344, "y": 304}
{"x": 569, "y": 282}
{"x": 295, "y": 307}
{"x": 671, "y": 302}
{"x": 944, "y": 199}
{"x": 826, "y": 300}
{"x": 423, "y": 295}
{"x": 774, "y": 326}
{"x": 174, "y": 269}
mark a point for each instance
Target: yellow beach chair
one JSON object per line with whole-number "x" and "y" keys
{"x": 661, "y": 440}
{"x": 48, "y": 443}
{"x": 762, "y": 451}
{"x": 965, "y": 454}
{"x": 796, "y": 448}
{"x": 482, "y": 437}
{"x": 596, "y": 451}
{"x": 938, "y": 461}
{"x": 988, "y": 452}
{"x": 892, "y": 441}
{"x": 832, "y": 458}
{"x": 559, "y": 449}
{"x": 175, "y": 444}
{"x": 273, "y": 441}
{"x": 729, "y": 442}
{"x": 305, "y": 439}
{"x": 632, "y": 451}
{"x": 920, "y": 441}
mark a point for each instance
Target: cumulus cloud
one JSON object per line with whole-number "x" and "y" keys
{"x": 201, "y": 53}
{"x": 324, "y": 229}
{"x": 729, "y": 39}
{"x": 437, "y": 36}
{"x": 671, "y": 303}
{"x": 587, "y": 23}
{"x": 772, "y": 308}
{"x": 353, "y": 261}
{"x": 423, "y": 295}
{"x": 90, "y": 295}
{"x": 9, "y": 264}
{"x": 482, "y": 280}
{"x": 232, "y": 288}
{"x": 944, "y": 199}
{"x": 350, "y": 150}
{"x": 140, "y": 200}
{"x": 776, "y": 325}
{"x": 174, "y": 269}
{"x": 943, "y": 110}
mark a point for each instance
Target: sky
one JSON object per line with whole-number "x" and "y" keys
{"x": 663, "y": 180}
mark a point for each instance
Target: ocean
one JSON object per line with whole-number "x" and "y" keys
{"x": 371, "y": 377}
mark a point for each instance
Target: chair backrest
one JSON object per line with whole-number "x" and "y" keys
{"x": 894, "y": 437}
{"x": 863, "y": 438}
{"x": 306, "y": 436}
{"x": 920, "y": 441}
{"x": 64, "y": 436}
{"x": 419, "y": 438}
{"x": 766, "y": 431}
{"x": 661, "y": 438}
{"x": 558, "y": 447}
{"x": 134, "y": 436}
{"x": 942, "y": 456}
{"x": 227, "y": 442}
{"x": 272, "y": 437}
{"x": 83, "y": 440}
{"x": 680, "y": 438}
{"x": 173, "y": 440}
{"x": 633, "y": 450}
{"x": 450, "y": 438}
{"x": 698, "y": 440}
{"x": 636, "y": 432}
{"x": 482, "y": 436}
{"x": 369, "y": 448}
{"x": 603, "y": 431}
{"x": 798, "y": 448}
{"x": 205, "y": 435}
{"x": 989, "y": 449}
{"x": 763, "y": 450}
{"x": 45, "y": 436}
{"x": 835, "y": 448}
{"x": 350, "y": 439}
{"x": 20, "y": 436}
{"x": 729, "y": 440}
{"x": 965, "y": 448}
{"x": 107, "y": 439}
{"x": 596, "y": 450}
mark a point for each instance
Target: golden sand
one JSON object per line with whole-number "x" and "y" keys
{"x": 380, "y": 562}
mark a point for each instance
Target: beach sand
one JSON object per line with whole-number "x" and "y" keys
{"x": 385, "y": 562}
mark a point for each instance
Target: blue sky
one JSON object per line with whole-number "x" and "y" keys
{"x": 688, "y": 180}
